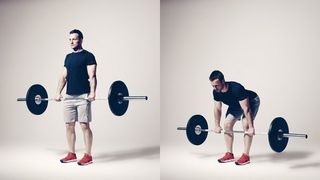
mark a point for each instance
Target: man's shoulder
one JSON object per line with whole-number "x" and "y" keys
{"x": 88, "y": 52}
{"x": 233, "y": 84}
{"x": 69, "y": 54}
{"x": 235, "y": 87}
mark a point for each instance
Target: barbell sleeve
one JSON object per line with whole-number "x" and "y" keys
{"x": 21, "y": 99}
{"x": 127, "y": 98}
{"x": 181, "y": 128}
{"x": 289, "y": 135}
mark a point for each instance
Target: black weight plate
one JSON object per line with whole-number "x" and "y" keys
{"x": 33, "y": 106}
{"x": 193, "y": 137}
{"x": 277, "y": 127}
{"x": 117, "y": 91}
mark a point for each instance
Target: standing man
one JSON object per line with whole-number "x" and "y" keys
{"x": 79, "y": 74}
{"x": 242, "y": 104}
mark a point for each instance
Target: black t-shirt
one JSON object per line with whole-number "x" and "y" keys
{"x": 236, "y": 92}
{"x": 77, "y": 77}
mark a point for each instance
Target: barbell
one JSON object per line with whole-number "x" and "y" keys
{"x": 118, "y": 98}
{"x": 278, "y": 134}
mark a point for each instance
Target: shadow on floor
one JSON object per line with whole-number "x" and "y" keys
{"x": 306, "y": 165}
{"x": 272, "y": 157}
{"x": 207, "y": 155}
{"x": 281, "y": 157}
{"x": 137, "y": 153}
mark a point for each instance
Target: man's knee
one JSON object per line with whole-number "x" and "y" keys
{"x": 70, "y": 125}
{"x": 245, "y": 125}
{"x": 228, "y": 125}
{"x": 85, "y": 126}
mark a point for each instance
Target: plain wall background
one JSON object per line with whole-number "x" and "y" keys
{"x": 271, "y": 47}
{"x": 124, "y": 37}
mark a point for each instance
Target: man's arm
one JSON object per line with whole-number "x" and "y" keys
{"x": 61, "y": 84}
{"x": 93, "y": 81}
{"x": 217, "y": 116}
{"x": 247, "y": 112}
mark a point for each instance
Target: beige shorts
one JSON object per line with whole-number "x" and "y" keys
{"x": 77, "y": 109}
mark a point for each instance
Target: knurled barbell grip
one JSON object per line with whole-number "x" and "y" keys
{"x": 243, "y": 132}
{"x": 127, "y": 98}
{"x": 234, "y": 131}
{"x": 223, "y": 131}
{"x": 67, "y": 99}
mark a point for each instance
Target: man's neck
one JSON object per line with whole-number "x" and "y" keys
{"x": 225, "y": 87}
{"x": 78, "y": 49}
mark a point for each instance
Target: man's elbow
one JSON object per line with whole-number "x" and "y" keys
{"x": 63, "y": 78}
{"x": 92, "y": 78}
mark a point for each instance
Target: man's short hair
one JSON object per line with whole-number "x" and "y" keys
{"x": 216, "y": 74}
{"x": 78, "y": 32}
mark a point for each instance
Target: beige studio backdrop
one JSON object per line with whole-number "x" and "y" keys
{"x": 270, "y": 47}
{"x": 124, "y": 37}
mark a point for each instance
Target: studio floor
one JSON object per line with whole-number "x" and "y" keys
{"x": 26, "y": 161}
{"x": 185, "y": 161}
{"x": 300, "y": 160}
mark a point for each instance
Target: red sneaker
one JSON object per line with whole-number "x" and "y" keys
{"x": 71, "y": 157}
{"x": 244, "y": 159}
{"x": 228, "y": 157}
{"x": 87, "y": 159}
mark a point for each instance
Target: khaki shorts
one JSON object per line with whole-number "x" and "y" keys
{"x": 77, "y": 109}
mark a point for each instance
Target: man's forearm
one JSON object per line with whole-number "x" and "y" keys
{"x": 61, "y": 84}
{"x": 217, "y": 117}
{"x": 93, "y": 84}
{"x": 249, "y": 118}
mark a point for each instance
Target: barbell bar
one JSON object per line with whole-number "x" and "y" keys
{"x": 128, "y": 98}
{"x": 118, "y": 98}
{"x": 278, "y": 134}
{"x": 243, "y": 132}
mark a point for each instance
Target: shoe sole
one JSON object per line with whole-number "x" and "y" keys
{"x": 241, "y": 164}
{"x": 69, "y": 161}
{"x": 84, "y": 164}
{"x": 225, "y": 161}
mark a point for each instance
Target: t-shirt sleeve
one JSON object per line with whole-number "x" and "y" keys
{"x": 241, "y": 93}
{"x": 91, "y": 59}
{"x": 65, "y": 61}
{"x": 216, "y": 96}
